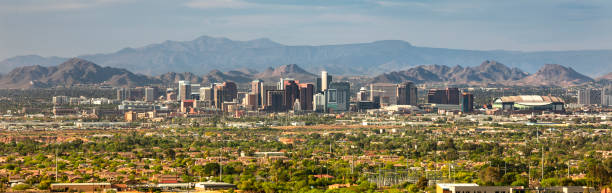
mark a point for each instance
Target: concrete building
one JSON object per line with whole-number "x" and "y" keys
{"x": 326, "y": 79}
{"x": 590, "y": 96}
{"x": 80, "y": 187}
{"x": 214, "y": 186}
{"x": 385, "y": 93}
{"x": 123, "y": 94}
{"x": 256, "y": 86}
{"x": 184, "y": 90}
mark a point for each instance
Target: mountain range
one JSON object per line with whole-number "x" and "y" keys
{"x": 205, "y": 54}
{"x": 76, "y": 71}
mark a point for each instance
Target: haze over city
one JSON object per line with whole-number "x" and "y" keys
{"x": 320, "y": 96}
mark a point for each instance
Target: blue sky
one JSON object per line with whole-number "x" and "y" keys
{"x": 74, "y": 27}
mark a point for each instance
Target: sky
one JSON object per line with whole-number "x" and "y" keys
{"x": 70, "y": 28}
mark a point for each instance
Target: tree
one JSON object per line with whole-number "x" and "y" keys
{"x": 422, "y": 183}
{"x": 490, "y": 175}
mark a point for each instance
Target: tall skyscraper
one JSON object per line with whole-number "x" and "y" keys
{"x": 292, "y": 92}
{"x": 184, "y": 90}
{"x": 149, "y": 94}
{"x": 407, "y": 94}
{"x": 326, "y": 79}
{"x": 230, "y": 91}
{"x": 338, "y": 96}
{"x": 256, "y": 89}
{"x": 306, "y": 96}
{"x": 276, "y": 101}
{"x": 467, "y": 102}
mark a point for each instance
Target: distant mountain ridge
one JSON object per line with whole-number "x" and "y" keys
{"x": 78, "y": 71}
{"x": 489, "y": 72}
{"x": 205, "y": 54}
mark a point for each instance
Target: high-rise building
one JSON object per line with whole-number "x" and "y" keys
{"x": 319, "y": 102}
{"x": 264, "y": 92}
{"x": 275, "y": 101}
{"x": 590, "y": 97}
{"x": 230, "y": 91}
{"x": 149, "y": 94}
{"x": 224, "y": 92}
{"x": 123, "y": 94}
{"x": 326, "y": 79}
{"x": 256, "y": 89}
{"x": 206, "y": 96}
{"x": 446, "y": 96}
{"x": 250, "y": 101}
{"x": 452, "y": 95}
{"x": 338, "y": 96}
{"x": 407, "y": 94}
{"x": 385, "y": 92}
{"x": 184, "y": 90}
{"x": 606, "y": 96}
{"x": 292, "y": 92}
{"x": 306, "y": 96}
{"x": 362, "y": 95}
{"x": 467, "y": 102}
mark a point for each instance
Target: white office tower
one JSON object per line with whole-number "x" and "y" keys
{"x": 324, "y": 80}
{"x": 149, "y": 94}
{"x": 319, "y": 102}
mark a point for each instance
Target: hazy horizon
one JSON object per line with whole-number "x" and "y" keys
{"x": 69, "y": 28}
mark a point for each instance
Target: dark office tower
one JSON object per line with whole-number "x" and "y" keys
{"x": 407, "y": 94}
{"x": 306, "y": 96}
{"x": 318, "y": 84}
{"x": 256, "y": 89}
{"x": 452, "y": 95}
{"x": 467, "y": 102}
{"x": 218, "y": 95}
{"x": 292, "y": 92}
{"x": 436, "y": 96}
{"x": 276, "y": 100}
{"x": 230, "y": 91}
{"x": 338, "y": 96}
{"x": 149, "y": 94}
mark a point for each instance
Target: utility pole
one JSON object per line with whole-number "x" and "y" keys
{"x": 542, "y": 163}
